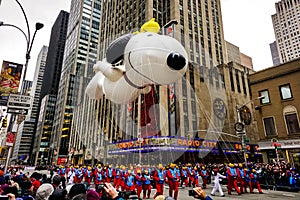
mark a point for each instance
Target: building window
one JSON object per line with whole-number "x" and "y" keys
{"x": 285, "y": 92}
{"x": 291, "y": 119}
{"x": 292, "y": 123}
{"x": 269, "y": 126}
{"x": 266, "y": 98}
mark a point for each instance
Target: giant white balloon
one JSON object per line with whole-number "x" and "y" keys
{"x": 148, "y": 59}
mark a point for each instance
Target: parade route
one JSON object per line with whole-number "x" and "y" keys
{"x": 268, "y": 194}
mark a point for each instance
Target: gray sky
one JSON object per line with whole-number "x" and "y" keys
{"x": 12, "y": 41}
{"x": 247, "y": 24}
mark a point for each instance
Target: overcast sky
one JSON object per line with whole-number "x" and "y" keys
{"x": 247, "y": 24}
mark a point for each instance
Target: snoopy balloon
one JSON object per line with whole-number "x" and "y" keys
{"x": 147, "y": 59}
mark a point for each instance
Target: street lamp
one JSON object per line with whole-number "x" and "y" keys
{"x": 29, "y": 42}
{"x": 240, "y": 125}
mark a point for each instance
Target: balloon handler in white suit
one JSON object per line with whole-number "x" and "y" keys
{"x": 136, "y": 61}
{"x": 217, "y": 178}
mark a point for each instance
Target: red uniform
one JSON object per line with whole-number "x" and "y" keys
{"x": 255, "y": 182}
{"x": 195, "y": 178}
{"x": 98, "y": 177}
{"x": 122, "y": 178}
{"x": 146, "y": 185}
{"x": 138, "y": 184}
{"x": 184, "y": 177}
{"x": 241, "y": 178}
{"x": 204, "y": 175}
{"x": 129, "y": 181}
{"x": 159, "y": 178}
{"x": 109, "y": 174}
{"x": 116, "y": 175}
{"x": 173, "y": 180}
{"x": 88, "y": 176}
{"x": 232, "y": 180}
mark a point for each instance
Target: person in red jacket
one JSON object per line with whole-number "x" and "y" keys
{"x": 138, "y": 183}
{"x": 159, "y": 178}
{"x": 78, "y": 175}
{"x": 88, "y": 175}
{"x": 173, "y": 180}
{"x": 98, "y": 177}
{"x": 122, "y": 178}
{"x": 146, "y": 184}
{"x": 195, "y": 177}
{"x": 241, "y": 177}
{"x": 116, "y": 175}
{"x": 109, "y": 174}
{"x": 129, "y": 181}
{"x": 204, "y": 175}
{"x": 184, "y": 173}
{"x": 232, "y": 179}
{"x": 255, "y": 182}
{"x": 247, "y": 181}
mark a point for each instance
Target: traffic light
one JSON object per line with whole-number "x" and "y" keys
{"x": 4, "y": 122}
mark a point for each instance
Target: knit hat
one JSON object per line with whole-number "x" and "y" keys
{"x": 92, "y": 195}
{"x": 44, "y": 191}
{"x": 78, "y": 188}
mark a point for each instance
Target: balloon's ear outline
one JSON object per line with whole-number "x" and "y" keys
{"x": 115, "y": 50}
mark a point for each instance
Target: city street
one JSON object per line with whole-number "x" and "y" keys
{"x": 268, "y": 194}
{"x": 183, "y": 192}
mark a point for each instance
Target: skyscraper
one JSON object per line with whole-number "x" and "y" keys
{"x": 26, "y": 130}
{"x": 55, "y": 54}
{"x": 50, "y": 86}
{"x": 274, "y": 53}
{"x": 286, "y": 24}
{"x": 80, "y": 55}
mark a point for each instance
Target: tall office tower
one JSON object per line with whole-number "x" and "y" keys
{"x": 286, "y": 24}
{"x": 50, "y": 86}
{"x": 26, "y": 130}
{"x": 41, "y": 148}
{"x": 80, "y": 55}
{"x": 55, "y": 54}
{"x": 26, "y": 87}
{"x": 167, "y": 111}
{"x": 275, "y": 54}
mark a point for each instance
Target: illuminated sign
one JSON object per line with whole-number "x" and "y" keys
{"x": 152, "y": 144}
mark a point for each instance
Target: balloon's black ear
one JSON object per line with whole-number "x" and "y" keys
{"x": 115, "y": 51}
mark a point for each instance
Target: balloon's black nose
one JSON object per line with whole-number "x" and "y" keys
{"x": 176, "y": 61}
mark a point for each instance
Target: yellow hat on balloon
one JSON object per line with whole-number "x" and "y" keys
{"x": 231, "y": 165}
{"x": 150, "y": 26}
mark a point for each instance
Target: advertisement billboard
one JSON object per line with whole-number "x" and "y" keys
{"x": 9, "y": 80}
{"x": 10, "y": 139}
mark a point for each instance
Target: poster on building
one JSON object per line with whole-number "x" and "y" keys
{"x": 10, "y": 138}
{"x": 9, "y": 80}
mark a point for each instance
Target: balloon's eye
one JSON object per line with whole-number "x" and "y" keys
{"x": 149, "y": 35}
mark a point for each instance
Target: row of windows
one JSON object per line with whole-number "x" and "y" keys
{"x": 285, "y": 94}
{"x": 291, "y": 122}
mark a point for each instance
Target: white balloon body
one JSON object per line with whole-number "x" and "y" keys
{"x": 145, "y": 63}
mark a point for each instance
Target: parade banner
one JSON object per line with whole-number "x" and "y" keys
{"x": 9, "y": 80}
